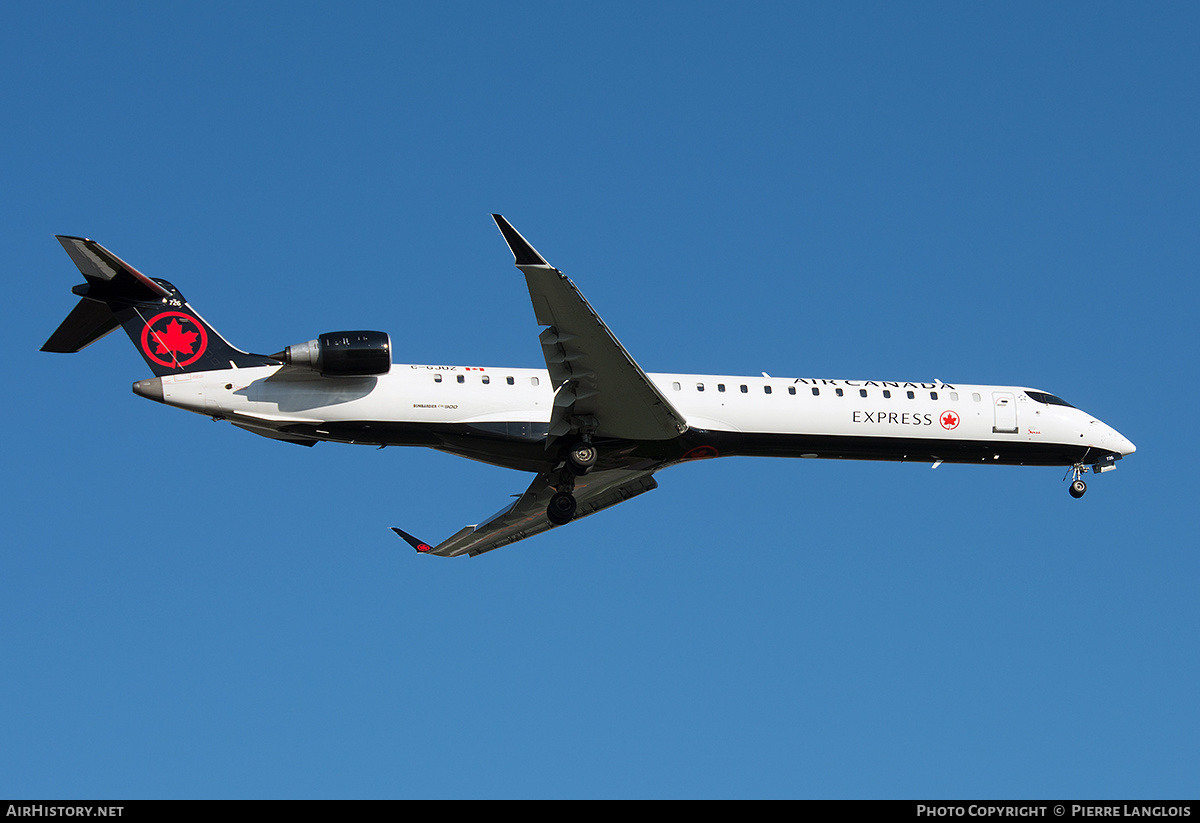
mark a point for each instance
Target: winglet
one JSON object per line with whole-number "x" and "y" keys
{"x": 419, "y": 545}
{"x": 525, "y": 254}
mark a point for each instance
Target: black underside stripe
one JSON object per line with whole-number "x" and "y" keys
{"x": 521, "y": 445}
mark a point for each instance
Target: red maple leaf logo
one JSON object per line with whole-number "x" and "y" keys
{"x": 949, "y": 420}
{"x": 174, "y": 339}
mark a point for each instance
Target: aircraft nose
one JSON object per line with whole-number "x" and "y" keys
{"x": 1109, "y": 438}
{"x": 1120, "y": 443}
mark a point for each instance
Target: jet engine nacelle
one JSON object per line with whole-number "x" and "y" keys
{"x": 342, "y": 354}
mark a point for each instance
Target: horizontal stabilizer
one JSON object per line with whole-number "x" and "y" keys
{"x": 109, "y": 277}
{"x": 87, "y": 323}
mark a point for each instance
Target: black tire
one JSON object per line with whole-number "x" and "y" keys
{"x": 582, "y": 458}
{"x": 562, "y": 508}
{"x": 1078, "y": 488}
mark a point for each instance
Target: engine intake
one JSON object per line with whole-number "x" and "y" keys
{"x": 342, "y": 354}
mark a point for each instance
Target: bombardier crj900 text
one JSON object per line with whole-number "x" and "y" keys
{"x": 592, "y": 426}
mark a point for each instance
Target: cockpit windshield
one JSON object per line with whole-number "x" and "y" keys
{"x": 1049, "y": 399}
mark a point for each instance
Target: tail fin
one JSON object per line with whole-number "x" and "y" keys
{"x": 167, "y": 331}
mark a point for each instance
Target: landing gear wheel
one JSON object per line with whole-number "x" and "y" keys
{"x": 582, "y": 458}
{"x": 1078, "y": 488}
{"x": 561, "y": 509}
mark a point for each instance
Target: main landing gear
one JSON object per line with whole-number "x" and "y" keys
{"x": 580, "y": 460}
{"x": 562, "y": 508}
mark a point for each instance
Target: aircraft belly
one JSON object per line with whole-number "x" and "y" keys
{"x": 891, "y": 448}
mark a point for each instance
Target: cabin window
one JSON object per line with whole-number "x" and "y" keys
{"x": 887, "y": 392}
{"x": 975, "y": 396}
{"x": 462, "y": 378}
{"x": 791, "y": 389}
{"x": 676, "y": 386}
{"x": 437, "y": 378}
{"x": 509, "y": 380}
{"x": 816, "y": 392}
{"x": 912, "y": 396}
{"x": 744, "y": 389}
{"x": 720, "y": 387}
{"x": 486, "y": 379}
{"x": 862, "y": 392}
{"x": 933, "y": 395}
{"x": 839, "y": 392}
{"x": 699, "y": 387}
{"x": 954, "y": 395}
{"x": 766, "y": 389}
{"x": 533, "y": 381}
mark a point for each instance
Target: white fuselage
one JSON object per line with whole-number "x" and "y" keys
{"x": 416, "y": 398}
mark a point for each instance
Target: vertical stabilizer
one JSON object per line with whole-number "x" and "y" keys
{"x": 166, "y": 330}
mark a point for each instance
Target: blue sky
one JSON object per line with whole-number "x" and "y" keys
{"x": 992, "y": 193}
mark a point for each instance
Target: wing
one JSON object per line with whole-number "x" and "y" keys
{"x": 527, "y": 516}
{"x": 599, "y": 388}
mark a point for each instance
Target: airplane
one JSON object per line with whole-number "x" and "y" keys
{"x": 591, "y": 426}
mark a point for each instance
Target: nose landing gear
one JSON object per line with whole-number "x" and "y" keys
{"x": 1078, "y": 487}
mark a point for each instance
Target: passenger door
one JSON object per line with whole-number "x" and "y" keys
{"x": 1005, "y": 405}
